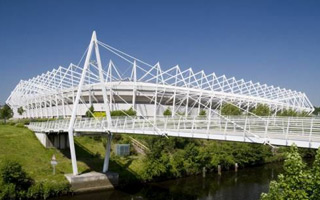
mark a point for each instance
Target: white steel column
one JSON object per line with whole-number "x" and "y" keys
{"x": 156, "y": 99}
{"x": 57, "y": 104}
{"x": 173, "y": 113}
{"x": 110, "y": 80}
{"x": 106, "y": 103}
{"x": 107, "y": 156}
{"x": 51, "y": 108}
{"x": 76, "y": 104}
{"x": 134, "y": 76}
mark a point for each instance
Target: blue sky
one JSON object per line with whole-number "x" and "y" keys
{"x": 273, "y": 42}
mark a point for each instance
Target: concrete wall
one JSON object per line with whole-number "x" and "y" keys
{"x": 59, "y": 141}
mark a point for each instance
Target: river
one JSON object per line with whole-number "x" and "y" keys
{"x": 246, "y": 184}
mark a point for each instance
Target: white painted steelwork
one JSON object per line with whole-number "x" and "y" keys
{"x": 303, "y": 131}
{"x": 52, "y": 94}
{"x": 67, "y": 93}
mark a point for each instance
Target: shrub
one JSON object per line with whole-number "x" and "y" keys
{"x": 17, "y": 184}
{"x": 119, "y": 113}
{"x": 44, "y": 190}
{"x": 24, "y": 121}
{"x": 20, "y": 111}
{"x": 8, "y": 192}
{"x": 287, "y": 113}
{"x": 90, "y": 112}
{"x": 36, "y": 191}
{"x": 11, "y": 123}
{"x": 20, "y": 125}
{"x": 12, "y": 173}
{"x": 99, "y": 114}
{"x": 167, "y": 112}
{"x": 54, "y": 189}
{"x": 202, "y": 113}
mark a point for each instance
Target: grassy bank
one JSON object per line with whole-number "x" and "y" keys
{"x": 21, "y": 145}
{"x": 168, "y": 158}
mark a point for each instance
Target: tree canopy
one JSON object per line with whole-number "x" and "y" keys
{"x": 230, "y": 109}
{"x": 167, "y": 112}
{"x": 90, "y": 112}
{"x": 6, "y": 113}
{"x": 261, "y": 110}
{"x": 297, "y": 182}
{"x": 20, "y": 110}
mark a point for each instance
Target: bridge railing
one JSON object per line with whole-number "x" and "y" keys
{"x": 304, "y": 128}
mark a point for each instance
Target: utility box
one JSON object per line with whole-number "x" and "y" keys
{"x": 122, "y": 149}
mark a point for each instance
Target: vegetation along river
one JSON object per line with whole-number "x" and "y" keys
{"x": 247, "y": 184}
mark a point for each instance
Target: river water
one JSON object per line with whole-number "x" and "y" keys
{"x": 246, "y": 184}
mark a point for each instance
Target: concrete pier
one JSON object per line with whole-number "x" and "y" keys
{"x": 92, "y": 181}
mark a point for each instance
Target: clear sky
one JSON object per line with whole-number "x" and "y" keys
{"x": 274, "y": 42}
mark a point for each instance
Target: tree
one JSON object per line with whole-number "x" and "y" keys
{"x": 202, "y": 113}
{"x": 316, "y": 178}
{"x": 261, "y": 110}
{"x": 230, "y": 109}
{"x": 131, "y": 112}
{"x": 167, "y": 112}
{"x": 20, "y": 111}
{"x": 90, "y": 112}
{"x": 288, "y": 113}
{"x": 294, "y": 183}
{"x": 316, "y": 111}
{"x": 6, "y": 113}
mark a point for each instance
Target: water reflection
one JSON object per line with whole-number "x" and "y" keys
{"x": 245, "y": 184}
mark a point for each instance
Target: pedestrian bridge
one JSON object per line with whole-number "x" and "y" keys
{"x": 149, "y": 90}
{"x": 284, "y": 131}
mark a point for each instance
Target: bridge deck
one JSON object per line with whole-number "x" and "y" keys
{"x": 304, "y": 132}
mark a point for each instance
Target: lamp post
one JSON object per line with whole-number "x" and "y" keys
{"x": 54, "y": 163}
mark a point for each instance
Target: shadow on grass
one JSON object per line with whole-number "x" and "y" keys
{"x": 95, "y": 163}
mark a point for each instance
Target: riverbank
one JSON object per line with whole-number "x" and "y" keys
{"x": 247, "y": 183}
{"x": 168, "y": 158}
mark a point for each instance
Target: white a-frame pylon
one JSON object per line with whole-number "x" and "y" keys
{"x": 93, "y": 45}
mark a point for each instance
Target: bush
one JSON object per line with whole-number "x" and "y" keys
{"x": 12, "y": 173}
{"x": 119, "y": 113}
{"x": 202, "y": 113}
{"x": 44, "y": 190}
{"x": 167, "y": 112}
{"x": 11, "y": 123}
{"x": 287, "y": 113}
{"x": 36, "y": 191}
{"x": 90, "y": 112}
{"x": 8, "y": 192}
{"x": 99, "y": 114}
{"x": 20, "y": 125}
{"x": 24, "y": 121}
{"x": 18, "y": 185}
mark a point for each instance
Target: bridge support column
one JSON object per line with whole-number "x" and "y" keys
{"x": 72, "y": 152}
{"x": 107, "y": 156}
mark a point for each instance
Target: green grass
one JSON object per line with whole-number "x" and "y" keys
{"x": 91, "y": 150}
{"x": 20, "y": 144}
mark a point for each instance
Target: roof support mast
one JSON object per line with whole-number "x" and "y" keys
{"x": 93, "y": 44}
